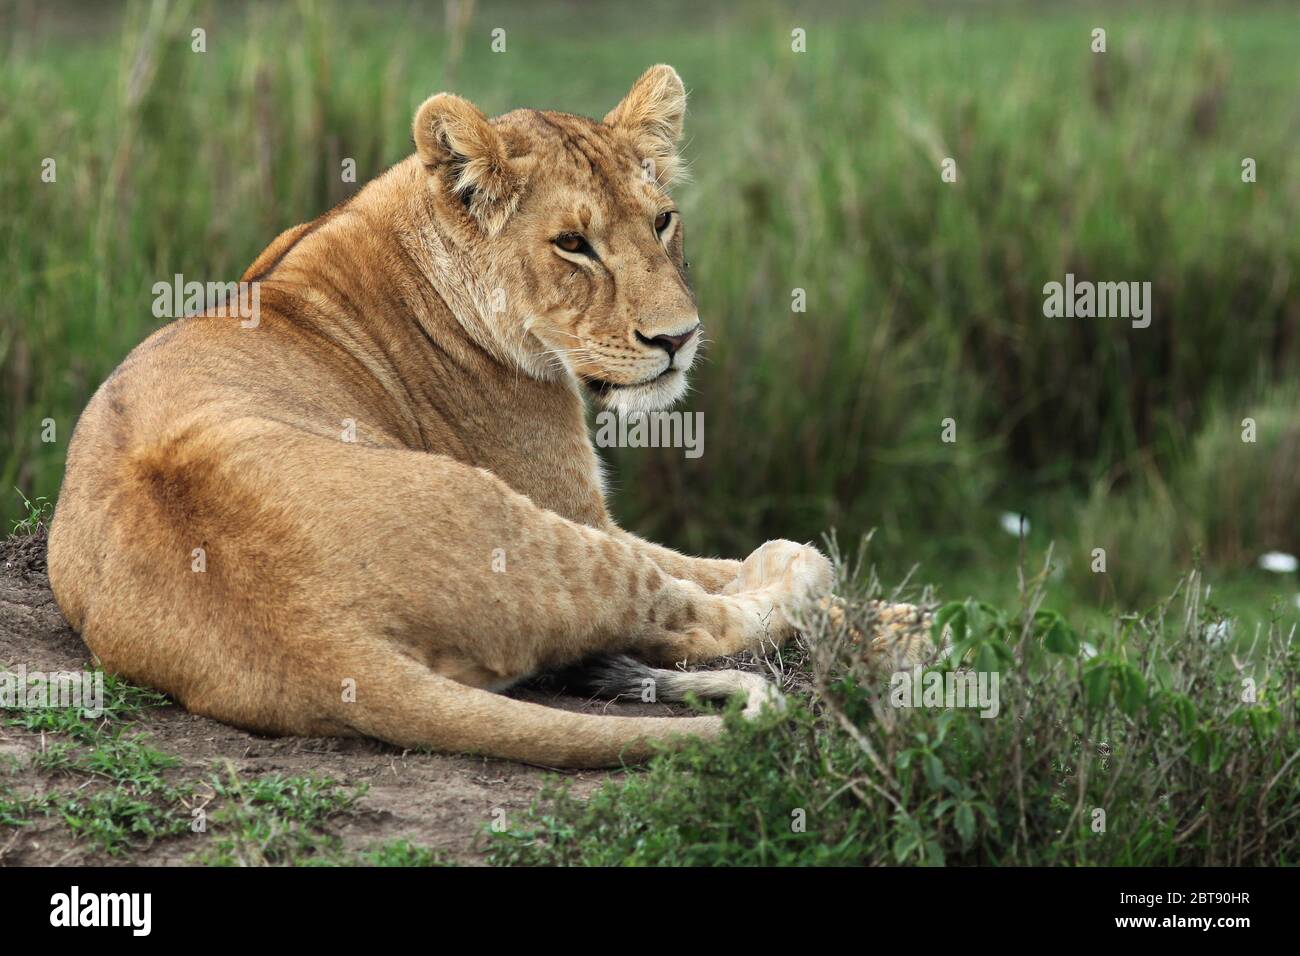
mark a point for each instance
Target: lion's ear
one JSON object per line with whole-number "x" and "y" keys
{"x": 456, "y": 140}
{"x": 651, "y": 114}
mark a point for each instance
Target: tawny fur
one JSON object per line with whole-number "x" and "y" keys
{"x": 383, "y": 586}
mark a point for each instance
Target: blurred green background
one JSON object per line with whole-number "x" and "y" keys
{"x": 817, "y": 171}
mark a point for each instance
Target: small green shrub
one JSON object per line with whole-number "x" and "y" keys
{"x": 1130, "y": 746}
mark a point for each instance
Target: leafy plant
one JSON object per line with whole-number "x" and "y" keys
{"x": 1144, "y": 744}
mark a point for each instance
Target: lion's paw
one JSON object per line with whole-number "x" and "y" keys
{"x": 780, "y": 581}
{"x": 763, "y": 697}
{"x": 800, "y": 569}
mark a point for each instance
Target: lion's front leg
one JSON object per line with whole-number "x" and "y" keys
{"x": 768, "y": 563}
{"x": 725, "y": 607}
{"x": 763, "y": 606}
{"x": 712, "y": 574}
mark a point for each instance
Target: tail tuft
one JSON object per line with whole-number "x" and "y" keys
{"x": 612, "y": 676}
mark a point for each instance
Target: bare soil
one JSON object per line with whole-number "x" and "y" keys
{"x": 438, "y": 801}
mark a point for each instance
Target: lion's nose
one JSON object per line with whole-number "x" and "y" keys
{"x": 670, "y": 343}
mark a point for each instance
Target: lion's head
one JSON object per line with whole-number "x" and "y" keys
{"x": 570, "y": 225}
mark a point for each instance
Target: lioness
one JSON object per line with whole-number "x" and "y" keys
{"x": 378, "y": 506}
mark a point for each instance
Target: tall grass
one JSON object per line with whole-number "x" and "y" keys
{"x": 816, "y": 171}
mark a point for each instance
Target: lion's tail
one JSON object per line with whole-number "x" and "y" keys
{"x": 408, "y": 705}
{"x": 619, "y": 675}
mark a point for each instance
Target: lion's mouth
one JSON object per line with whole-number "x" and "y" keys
{"x": 603, "y": 389}
{"x": 599, "y": 387}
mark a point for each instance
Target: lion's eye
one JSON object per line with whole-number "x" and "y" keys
{"x": 572, "y": 242}
{"x": 662, "y": 220}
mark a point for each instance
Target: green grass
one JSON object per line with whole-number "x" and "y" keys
{"x": 817, "y": 171}
{"x": 396, "y": 853}
{"x": 275, "y": 820}
{"x": 1139, "y": 751}
{"x": 37, "y": 517}
{"x": 121, "y": 799}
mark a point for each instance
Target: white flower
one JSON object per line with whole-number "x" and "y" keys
{"x": 1011, "y": 523}
{"x": 1279, "y": 562}
{"x": 1218, "y": 632}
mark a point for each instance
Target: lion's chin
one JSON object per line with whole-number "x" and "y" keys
{"x": 652, "y": 396}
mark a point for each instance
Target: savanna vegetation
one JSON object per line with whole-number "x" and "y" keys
{"x": 1152, "y": 747}
{"x": 857, "y": 306}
